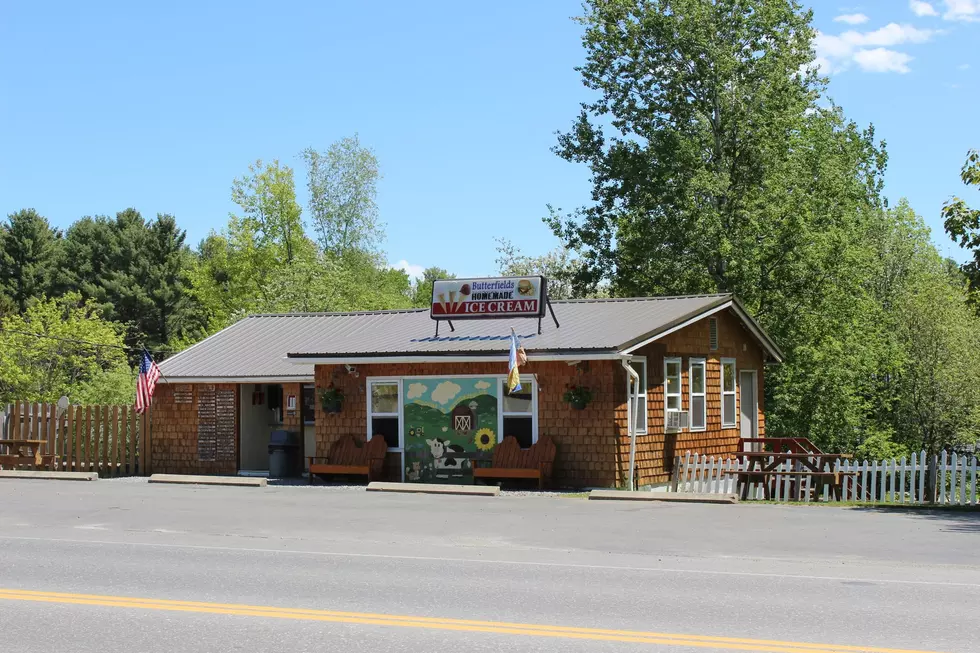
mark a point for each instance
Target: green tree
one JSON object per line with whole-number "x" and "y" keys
{"x": 559, "y": 266}
{"x": 343, "y": 187}
{"x": 938, "y": 386}
{"x": 45, "y": 353}
{"x": 29, "y": 257}
{"x": 252, "y": 264}
{"x": 715, "y": 170}
{"x": 269, "y": 210}
{"x": 422, "y": 288}
{"x": 963, "y": 223}
{"x": 136, "y": 271}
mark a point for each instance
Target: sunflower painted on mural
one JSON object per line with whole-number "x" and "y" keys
{"x": 484, "y": 439}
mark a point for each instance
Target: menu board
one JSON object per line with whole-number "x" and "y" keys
{"x": 225, "y": 429}
{"x": 183, "y": 394}
{"x": 207, "y": 424}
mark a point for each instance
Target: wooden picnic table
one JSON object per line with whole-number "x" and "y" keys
{"x": 14, "y": 452}
{"x": 763, "y": 467}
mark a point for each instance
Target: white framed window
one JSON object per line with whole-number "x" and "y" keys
{"x": 638, "y": 395}
{"x": 384, "y": 412}
{"x": 519, "y": 412}
{"x": 728, "y": 390}
{"x": 698, "y": 405}
{"x": 672, "y": 384}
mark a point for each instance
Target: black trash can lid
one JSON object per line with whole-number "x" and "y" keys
{"x": 283, "y": 438}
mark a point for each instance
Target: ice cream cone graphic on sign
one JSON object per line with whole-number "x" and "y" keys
{"x": 464, "y": 292}
{"x": 442, "y": 302}
{"x": 452, "y": 300}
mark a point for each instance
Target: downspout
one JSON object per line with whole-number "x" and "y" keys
{"x": 631, "y": 427}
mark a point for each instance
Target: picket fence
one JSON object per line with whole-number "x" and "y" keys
{"x": 895, "y": 481}
{"x": 109, "y": 440}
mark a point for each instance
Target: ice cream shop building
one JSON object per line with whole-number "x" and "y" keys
{"x": 610, "y": 382}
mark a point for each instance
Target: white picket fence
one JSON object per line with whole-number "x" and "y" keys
{"x": 898, "y": 481}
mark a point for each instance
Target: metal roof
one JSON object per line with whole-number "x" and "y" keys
{"x": 258, "y": 346}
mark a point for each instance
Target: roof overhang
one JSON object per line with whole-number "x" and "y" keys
{"x": 449, "y": 357}
{"x": 238, "y": 379}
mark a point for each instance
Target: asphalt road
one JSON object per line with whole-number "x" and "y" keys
{"x": 125, "y": 566}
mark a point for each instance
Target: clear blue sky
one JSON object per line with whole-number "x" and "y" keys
{"x": 107, "y": 105}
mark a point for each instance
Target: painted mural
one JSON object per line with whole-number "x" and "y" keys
{"x": 446, "y": 421}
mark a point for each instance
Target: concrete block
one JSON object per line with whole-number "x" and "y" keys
{"x": 435, "y": 488}
{"x": 187, "y": 479}
{"x": 49, "y": 476}
{"x": 676, "y": 497}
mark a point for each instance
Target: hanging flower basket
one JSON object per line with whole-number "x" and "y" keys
{"x": 332, "y": 399}
{"x": 577, "y": 396}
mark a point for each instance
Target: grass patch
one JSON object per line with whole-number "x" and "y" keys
{"x": 574, "y": 495}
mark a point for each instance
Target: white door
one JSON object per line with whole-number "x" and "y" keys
{"x": 748, "y": 405}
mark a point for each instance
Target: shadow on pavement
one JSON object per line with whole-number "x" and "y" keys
{"x": 964, "y": 519}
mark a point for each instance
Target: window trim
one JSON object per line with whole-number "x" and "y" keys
{"x": 680, "y": 386}
{"x": 631, "y": 396}
{"x": 501, "y": 380}
{"x": 733, "y": 392}
{"x": 703, "y": 364}
{"x": 372, "y": 380}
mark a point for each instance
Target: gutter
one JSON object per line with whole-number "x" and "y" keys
{"x": 438, "y": 358}
{"x": 631, "y": 427}
{"x": 236, "y": 379}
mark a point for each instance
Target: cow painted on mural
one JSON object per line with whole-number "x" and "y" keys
{"x": 443, "y": 454}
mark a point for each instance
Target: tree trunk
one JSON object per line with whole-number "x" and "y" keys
{"x": 931, "y": 478}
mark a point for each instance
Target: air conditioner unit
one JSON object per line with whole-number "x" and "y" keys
{"x": 677, "y": 420}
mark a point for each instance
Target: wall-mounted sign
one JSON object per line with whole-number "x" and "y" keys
{"x": 460, "y": 299}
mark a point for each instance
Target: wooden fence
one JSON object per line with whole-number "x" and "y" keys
{"x": 949, "y": 477}
{"x": 109, "y": 440}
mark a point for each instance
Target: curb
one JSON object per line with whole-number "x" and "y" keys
{"x": 669, "y": 497}
{"x": 185, "y": 479}
{"x": 49, "y": 476}
{"x": 435, "y": 488}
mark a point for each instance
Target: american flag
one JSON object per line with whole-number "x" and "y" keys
{"x": 146, "y": 383}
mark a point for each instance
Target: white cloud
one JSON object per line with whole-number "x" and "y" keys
{"x": 445, "y": 392}
{"x": 836, "y": 53}
{"x": 852, "y": 19}
{"x": 416, "y": 390}
{"x": 963, "y": 66}
{"x": 882, "y": 60}
{"x": 481, "y": 385}
{"x": 414, "y": 271}
{"x": 965, "y": 10}
{"x": 920, "y": 8}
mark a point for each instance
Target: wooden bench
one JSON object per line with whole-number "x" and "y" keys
{"x": 349, "y": 456}
{"x": 510, "y": 461}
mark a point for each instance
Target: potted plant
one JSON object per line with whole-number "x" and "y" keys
{"x": 577, "y": 396}
{"x": 332, "y": 399}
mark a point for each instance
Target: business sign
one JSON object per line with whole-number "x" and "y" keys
{"x": 460, "y": 299}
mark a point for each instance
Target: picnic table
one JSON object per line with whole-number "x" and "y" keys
{"x": 764, "y": 467}
{"x": 15, "y": 452}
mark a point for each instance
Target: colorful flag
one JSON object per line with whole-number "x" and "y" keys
{"x": 518, "y": 357}
{"x": 146, "y": 383}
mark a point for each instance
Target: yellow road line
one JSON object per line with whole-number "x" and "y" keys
{"x": 466, "y": 625}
